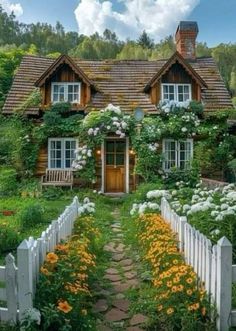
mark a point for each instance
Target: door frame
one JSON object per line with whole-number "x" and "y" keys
{"x": 103, "y": 156}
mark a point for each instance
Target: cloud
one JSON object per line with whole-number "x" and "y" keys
{"x": 158, "y": 17}
{"x": 12, "y": 7}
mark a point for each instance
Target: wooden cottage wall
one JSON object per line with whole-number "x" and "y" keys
{"x": 175, "y": 75}
{"x": 42, "y": 162}
{"x": 65, "y": 74}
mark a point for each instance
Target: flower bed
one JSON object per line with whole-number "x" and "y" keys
{"x": 180, "y": 303}
{"x": 63, "y": 295}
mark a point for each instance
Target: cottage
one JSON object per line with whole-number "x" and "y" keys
{"x": 132, "y": 85}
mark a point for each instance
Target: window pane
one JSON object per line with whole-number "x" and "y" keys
{"x": 120, "y": 159}
{"x": 120, "y": 146}
{"x": 110, "y": 146}
{"x": 180, "y": 89}
{"x": 55, "y": 88}
{"x": 70, "y": 88}
{"x": 110, "y": 160}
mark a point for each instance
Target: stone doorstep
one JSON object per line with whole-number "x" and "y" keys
{"x": 116, "y": 315}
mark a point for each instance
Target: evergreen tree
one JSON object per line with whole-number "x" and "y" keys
{"x": 145, "y": 41}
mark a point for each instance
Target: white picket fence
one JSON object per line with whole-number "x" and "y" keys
{"x": 212, "y": 263}
{"x": 20, "y": 282}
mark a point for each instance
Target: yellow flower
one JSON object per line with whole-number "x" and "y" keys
{"x": 189, "y": 292}
{"x": 64, "y": 306}
{"x": 189, "y": 280}
{"x": 169, "y": 284}
{"x": 170, "y": 311}
{"x": 84, "y": 312}
{"x": 44, "y": 271}
{"x": 203, "y": 311}
{"x": 159, "y": 308}
{"x": 52, "y": 258}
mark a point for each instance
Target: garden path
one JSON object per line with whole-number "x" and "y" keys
{"x": 112, "y": 304}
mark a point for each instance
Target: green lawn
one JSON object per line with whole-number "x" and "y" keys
{"x": 51, "y": 210}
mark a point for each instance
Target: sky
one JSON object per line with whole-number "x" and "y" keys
{"x": 128, "y": 18}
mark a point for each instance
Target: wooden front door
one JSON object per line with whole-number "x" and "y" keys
{"x": 115, "y": 165}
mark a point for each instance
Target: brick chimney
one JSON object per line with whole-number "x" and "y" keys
{"x": 185, "y": 38}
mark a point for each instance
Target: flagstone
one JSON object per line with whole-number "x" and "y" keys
{"x": 113, "y": 278}
{"x": 126, "y": 262}
{"x": 130, "y": 275}
{"x": 100, "y": 306}
{"x": 138, "y": 319}
{"x": 117, "y": 257}
{"x": 122, "y": 304}
{"x": 112, "y": 271}
{"x": 116, "y": 315}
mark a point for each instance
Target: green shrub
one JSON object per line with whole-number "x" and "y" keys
{"x": 52, "y": 193}
{"x": 9, "y": 239}
{"x": 31, "y": 215}
{"x": 8, "y": 181}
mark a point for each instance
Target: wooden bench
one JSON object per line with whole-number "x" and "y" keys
{"x": 57, "y": 178}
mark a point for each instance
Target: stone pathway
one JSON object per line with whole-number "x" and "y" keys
{"x": 112, "y": 306}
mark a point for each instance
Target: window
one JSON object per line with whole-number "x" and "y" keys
{"x": 177, "y": 153}
{"x": 176, "y": 92}
{"x": 61, "y": 153}
{"x": 66, "y": 92}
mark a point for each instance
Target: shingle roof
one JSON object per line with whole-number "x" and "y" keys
{"x": 119, "y": 82}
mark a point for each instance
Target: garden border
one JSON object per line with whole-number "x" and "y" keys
{"x": 212, "y": 264}
{"x": 21, "y": 280}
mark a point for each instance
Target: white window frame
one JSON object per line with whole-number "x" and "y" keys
{"x": 176, "y": 95}
{"x": 66, "y": 91}
{"x": 63, "y": 150}
{"x": 177, "y": 153}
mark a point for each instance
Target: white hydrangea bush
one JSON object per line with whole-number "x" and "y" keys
{"x": 87, "y": 207}
{"x": 82, "y": 154}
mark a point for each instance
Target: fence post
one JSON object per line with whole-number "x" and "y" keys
{"x": 25, "y": 278}
{"x": 183, "y": 221}
{"x": 11, "y": 288}
{"x": 224, "y": 283}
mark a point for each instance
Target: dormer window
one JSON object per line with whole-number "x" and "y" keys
{"x": 66, "y": 92}
{"x": 176, "y": 92}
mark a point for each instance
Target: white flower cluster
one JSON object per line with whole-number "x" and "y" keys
{"x": 112, "y": 108}
{"x": 153, "y": 147}
{"x": 86, "y": 207}
{"x": 93, "y": 132}
{"x": 208, "y": 200}
{"x": 82, "y": 154}
{"x": 169, "y": 105}
{"x": 158, "y": 194}
{"x": 140, "y": 208}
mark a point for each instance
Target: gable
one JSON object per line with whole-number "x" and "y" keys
{"x": 63, "y": 61}
{"x": 118, "y": 82}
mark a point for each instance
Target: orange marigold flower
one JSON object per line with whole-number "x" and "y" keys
{"x": 44, "y": 271}
{"x": 52, "y": 258}
{"x": 203, "y": 311}
{"x": 64, "y": 306}
{"x": 170, "y": 311}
